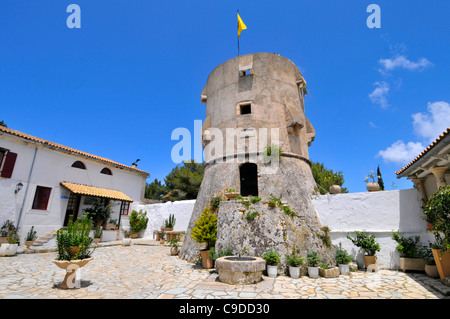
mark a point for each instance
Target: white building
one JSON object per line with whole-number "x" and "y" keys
{"x": 42, "y": 183}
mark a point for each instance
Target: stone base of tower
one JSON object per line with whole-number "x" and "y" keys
{"x": 293, "y": 183}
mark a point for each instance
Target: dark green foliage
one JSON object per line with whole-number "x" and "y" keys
{"x": 380, "y": 179}
{"x": 75, "y": 234}
{"x": 155, "y": 190}
{"x": 326, "y": 177}
{"x": 251, "y": 216}
{"x": 2, "y": 123}
{"x": 342, "y": 256}
{"x": 138, "y": 221}
{"x": 215, "y": 202}
{"x": 31, "y": 235}
{"x": 170, "y": 222}
{"x": 313, "y": 259}
{"x": 183, "y": 182}
{"x": 294, "y": 259}
{"x": 367, "y": 243}
{"x": 271, "y": 257}
{"x": 220, "y": 253}
{"x": 99, "y": 213}
{"x": 437, "y": 212}
{"x": 408, "y": 246}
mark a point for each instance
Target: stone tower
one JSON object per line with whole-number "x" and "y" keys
{"x": 258, "y": 97}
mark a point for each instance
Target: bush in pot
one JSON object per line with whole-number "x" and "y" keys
{"x": 10, "y": 247}
{"x": 430, "y": 267}
{"x": 272, "y": 259}
{"x": 368, "y": 244}
{"x": 205, "y": 231}
{"x": 30, "y": 237}
{"x": 126, "y": 241}
{"x": 343, "y": 259}
{"x": 138, "y": 221}
{"x": 437, "y": 209}
{"x": 313, "y": 260}
{"x": 6, "y": 229}
{"x": 174, "y": 246}
{"x": 411, "y": 252}
{"x": 99, "y": 213}
{"x": 294, "y": 261}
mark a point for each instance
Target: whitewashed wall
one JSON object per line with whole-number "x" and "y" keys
{"x": 377, "y": 213}
{"x": 157, "y": 213}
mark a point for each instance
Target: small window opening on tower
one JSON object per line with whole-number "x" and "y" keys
{"x": 245, "y": 108}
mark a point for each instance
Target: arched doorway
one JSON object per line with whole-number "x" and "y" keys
{"x": 248, "y": 174}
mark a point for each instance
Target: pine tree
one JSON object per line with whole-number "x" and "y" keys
{"x": 380, "y": 179}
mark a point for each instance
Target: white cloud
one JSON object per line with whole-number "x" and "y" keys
{"x": 401, "y": 62}
{"x": 378, "y": 96}
{"x": 430, "y": 125}
{"x": 401, "y": 153}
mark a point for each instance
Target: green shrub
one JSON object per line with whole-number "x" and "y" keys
{"x": 170, "y": 222}
{"x": 294, "y": 259}
{"x": 367, "y": 243}
{"x": 408, "y": 246}
{"x": 271, "y": 257}
{"x": 205, "y": 228}
{"x": 220, "y": 253}
{"x": 342, "y": 257}
{"x": 31, "y": 235}
{"x": 437, "y": 211}
{"x": 251, "y": 216}
{"x": 75, "y": 234}
{"x": 138, "y": 221}
{"x": 313, "y": 259}
{"x": 99, "y": 213}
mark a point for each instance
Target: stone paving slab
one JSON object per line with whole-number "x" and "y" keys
{"x": 149, "y": 271}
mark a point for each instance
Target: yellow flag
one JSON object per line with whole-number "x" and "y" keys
{"x": 241, "y": 25}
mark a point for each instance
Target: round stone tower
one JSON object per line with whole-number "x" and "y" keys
{"x": 252, "y": 102}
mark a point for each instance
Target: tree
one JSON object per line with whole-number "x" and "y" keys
{"x": 155, "y": 190}
{"x": 2, "y": 123}
{"x": 326, "y": 177}
{"x": 380, "y": 179}
{"x": 184, "y": 181}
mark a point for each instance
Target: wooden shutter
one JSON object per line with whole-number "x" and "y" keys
{"x": 8, "y": 167}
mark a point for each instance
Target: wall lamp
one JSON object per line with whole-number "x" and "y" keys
{"x": 19, "y": 186}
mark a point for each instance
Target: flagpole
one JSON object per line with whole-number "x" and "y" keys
{"x": 238, "y": 31}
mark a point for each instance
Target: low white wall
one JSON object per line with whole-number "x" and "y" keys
{"x": 377, "y": 213}
{"x": 157, "y": 213}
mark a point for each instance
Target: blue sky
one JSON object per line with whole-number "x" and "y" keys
{"x": 118, "y": 86}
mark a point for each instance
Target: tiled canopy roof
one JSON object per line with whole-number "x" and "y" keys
{"x": 65, "y": 148}
{"x": 441, "y": 137}
{"x": 96, "y": 191}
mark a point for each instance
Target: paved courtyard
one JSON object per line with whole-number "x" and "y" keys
{"x": 149, "y": 271}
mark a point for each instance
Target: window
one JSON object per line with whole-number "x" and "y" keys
{"x": 79, "y": 165}
{"x": 7, "y": 162}
{"x": 41, "y": 198}
{"x": 106, "y": 171}
{"x": 245, "y": 108}
{"x": 2, "y": 155}
{"x": 249, "y": 179}
{"x": 124, "y": 208}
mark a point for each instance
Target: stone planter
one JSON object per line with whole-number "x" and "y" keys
{"x": 111, "y": 227}
{"x": 166, "y": 228}
{"x": 231, "y": 195}
{"x": 335, "y": 189}
{"x": 313, "y": 272}
{"x": 71, "y": 267}
{"x": 344, "y": 269}
{"x": 272, "y": 271}
{"x": 370, "y": 260}
{"x": 174, "y": 251}
{"x": 442, "y": 262}
{"x": 373, "y": 187}
{"x": 134, "y": 235}
{"x": 8, "y": 249}
{"x": 332, "y": 272}
{"x": 413, "y": 264}
{"x": 207, "y": 261}
{"x": 294, "y": 272}
{"x": 97, "y": 240}
{"x": 126, "y": 241}
{"x": 162, "y": 241}
{"x": 432, "y": 271}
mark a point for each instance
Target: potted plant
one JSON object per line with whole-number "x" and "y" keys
{"x": 220, "y": 253}
{"x": 31, "y": 237}
{"x": 138, "y": 221}
{"x": 10, "y": 247}
{"x": 76, "y": 235}
{"x": 6, "y": 229}
{"x": 372, "y": 186}
{"x": 430, "y": 268}
{"x": 126, "y": 241}
{"x": 98, "y": 233}
{"x": 438, "y": 206}
{"x": 343, "y": 259}
{"x": 112, "y": 225}
{"x": 294, "y": 261}
{"x": 169, "y": 223}
{"x": 368, "y": 245}
{"x": 230, "y": 193}
{"x": 328, "y": 272}
{"x": 174, "y": 246}
{"x": 272, "y": 259}
{"x": 313, "y": 260}
{"x": 162, "y": 237}
{"x": 99, "y": 213}
{"x": 205, "y": 232}
{"x": 411, "y": 252}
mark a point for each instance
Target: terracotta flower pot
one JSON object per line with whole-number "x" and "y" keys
{"x": 373, "y": 187}
{"x": 370, "y": 260}
{"x": 71, "y": 267}
{"x": 174, "y": 251}
{"x": 29, "y": 243}
{"x": 335, "y": 189}
{"x": 231, "y": 195}
{"x": 207, "y": 261}
{"x": 134, "y": 235}
{"x": 432, "y": 271}
{"x": 442, "y": 262}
